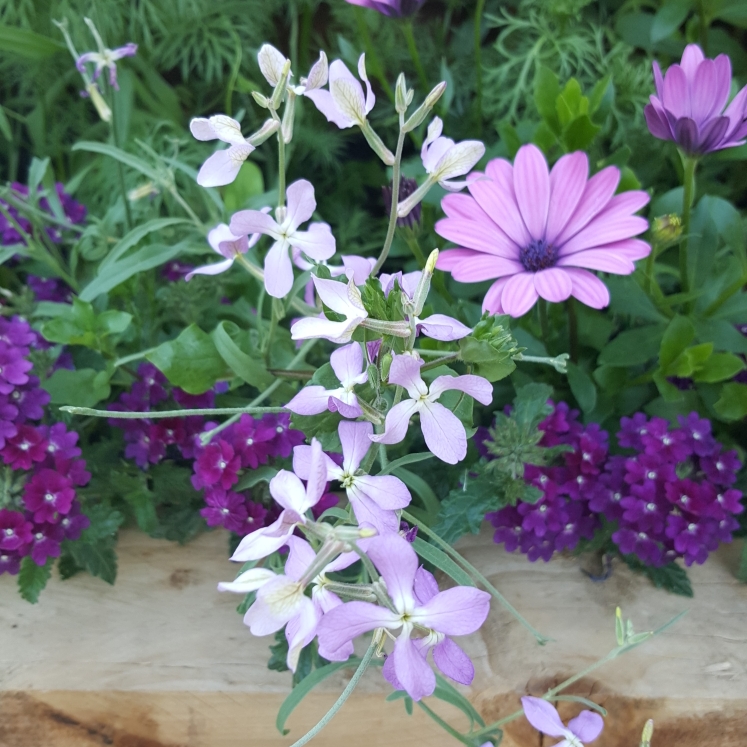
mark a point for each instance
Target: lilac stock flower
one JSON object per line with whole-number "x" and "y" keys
{"x": 272, "y": 62}
{"x": 544, "y": 717}
{"x": 443, "y": 160}
{"x": 318, "y": 242}
{"x": 444, "y": 433}
{"x": 224, "y": 165}
{"x": 287, "y": 490}
{"x": 106, "y": 58}
{"x": 224, "y": 243}
{"x": 391, "y": 8}
{"x": 539, "y": 232}
{"x": 347, "y": 363}
{"x": 688, "y": 107}
{"x": 345, "y": 104}
{"x": 374, "y": 498}
{"x": 458, "y": 611}
{"x": 344, "y": 299}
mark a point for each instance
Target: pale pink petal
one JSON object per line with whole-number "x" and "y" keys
{"x": 369, "y": 514}
{"x": 302, "y": 463}
{"x": 347, "y": 363}
{"x": 288, "y": 491}
{"x": 588, "y": 288}
{"x": 435, "y": 152}
{"x": 386, "y": 491}
{"x": 301, "y": 203}
{"x": 676, "y": 98}
{"x": 412, "y": 670}
{"x": 343, "y": 298}
{"x": 346, "y": 622}
{"x": 223, "y": 167}
{"x": 356, "y": 441}
{"x": 300, "y": 557}
{"x": 485, "y": 267}
{"x": 457, "y": 161}
{"x": 425, "y": 586}
{"x": 442, "y": 327}
{"x": 250, "y": 580}
{"x": 254, "y": 221}
{"x": 214, "y": 269}
{"x": 317, "y": 480}
{"x": 553, "y": 284}
{"x": 458, "y": 611}
{"x": 397, "y": 422}
{"x": 632, "y": 249}
{"x": 265, "y": 541}
{"x": 346, "y": 404}
{"x": 492, "y": 301}
{"x": 567, "y": 184}
{"x": 587, "y": 726}
{"x": 397, "y": 563}
{"x": 201, "y": 129}
{"x": 435, "y": 128}
{"x": 300, "y": 631}
{"x": 476, "y": 386}
{"x": 305, "y": 329}
{"x": 597, "y": 259}
{"x": 483, "y": 235}
{"x": 311, "y": 400}
{"x": 405, "y": 371}
{"x": 443, "y": 432}
{"x": 228, "y": 130}
{"x": 324, "y": 102}
{"x": 499, "y": 200}
{"x": 519, "y": 294}
{"x": 543, "y": 716}
{"x": 278, "y": 270}
{"x": 453, "y": 662}
{"x": 357, "y": 268}
{"x": 370, "y": 98}
{"x": 532, "y": 188}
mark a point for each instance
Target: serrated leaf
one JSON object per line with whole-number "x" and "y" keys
{"x": 99, "y": 558}
{"x": 463, "y": 510}
{"x": 670, "y": 577}
{"x": 32, "y": 578}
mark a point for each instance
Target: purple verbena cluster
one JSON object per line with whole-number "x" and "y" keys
{"x": 74, "y": 212}
{"x": 42, "y": 463}
{"x": 671, "y": 496}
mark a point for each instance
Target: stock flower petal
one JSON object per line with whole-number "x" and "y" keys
{"x": 349, "y": 99}
{"x": 254, "y": 221}
{"x": 300, "y": 556}
{"x": 302, "y": 463}
{"x": 201, "y": 129}
{"x": 358, "y": 269}
{"x": 370, "y": 97}
{"x": 300, "y": 631}
{"x": 265, "y": 541}
{"x": 223, "y": 166}
{"x": 355, "y": 440}
{"x": 568, "y": 180}
{"x": 250, "y": 580}
{"x": 271, "y": 63}
{"x": 405, "y": 371}
{"x": 278, "y": 270}
{"x": 588, "y": 288}
{"x": 386, "y": 491}
{"x": 346, "y": 622}
{"x": 228, "y": 130}
{"x": 458, "y": 611}
{"x": 543, "y": 716}
{"x": 412, "y": 670}
{"x": 214, "y": 269}
{"x": 396, "y": 423}
{"x": 587, "y": 726}
{"x": 397, "y": 562}
{"x": 347, "y": 363}
{"x": 519, "y": 294}
{"x": 369, "y": 514}
{"x": 453, "y": 662}
{"x": 310, "y": 327}
{"x": 288, "y": 491}
{"x": 443, "y": 328}
{"x": 301, "y": 203}
{"x": 317, "y": 479}
{"x": 443, "y": 432}
{"x": 311, "y": 400}
{"x": 459, "y": 160}
{"x": 342, "y": 298}
{"x": 346, "y": 404}
{"x": 553, "y": 284}
{"x": 476, "y": 386}
{"x": 326, "y": 105}
{"x": 532, "y": 189}
{"x": 425, "y": 586}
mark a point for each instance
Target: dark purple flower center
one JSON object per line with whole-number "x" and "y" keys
{"x": 538, "y": 255}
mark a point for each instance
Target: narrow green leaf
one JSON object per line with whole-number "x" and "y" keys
{"x": 582, "y": 387}
{"x": 251, "y": 370}
{"x": 135, "y": 236}
{"x": 442, "y": 561}
{"x": 5, "y": 126}
{"x": 422, "y": 488}
{"x": 19, "y": 42}
{"x": 407, "y": 459}
{"x": 120, "y": 155}
{"x": 677, "y": 336}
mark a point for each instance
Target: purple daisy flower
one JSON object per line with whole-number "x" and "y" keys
{"x": 689, "y": 104}
{"x": 538, "y": 233}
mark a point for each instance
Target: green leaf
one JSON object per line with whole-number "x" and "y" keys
{"x": 579, "y": 134}
{"x": 79, "y": 324}
{"x": 719, "y": 367}
{"x": 722, "y": 334}
{"x": 446, "y": 692}
{"x": 464, "y": 509}
{"x": 407, "y": 459}
{"x": 509, "y": 137}
{"x": 670, "y": 577}
{"x": 136, "y": 236}
{"x": 105, "y": 523}
{"x": 601, "y": 98}
{"x": 530, "y": 405}
{"x": 627, "y": 297}
{"x": 99, "y": 558}
{"x": 32, "y": 578}
{"x": 251, "y": 369}
{"x": 677, "y": 336}
{"x": 421, "y": 487}
{"x": 669, "y": 18}
{"x": 83, "y": 387}
{"x": 732, "y": 405}
{"x": 254, "y": 477}
{"x": 122, "y": 156}
{"x": 441, "y": 561}
{"x": 732, "y": 11}
{"x": 20, "y": 42}
{"x": 247, "y": 184}
{"x": 191, "y": 361}
{"x": 582, "y": 387}
{"x": 633, "y": 347}
{"x": 571, "y": 103}
{"x": 546, "y": 92}
{"x": 5, "y": 126}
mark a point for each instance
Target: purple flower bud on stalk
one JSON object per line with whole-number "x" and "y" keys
{"x": 391, "y": 8}
{"x": 407, "y": 187}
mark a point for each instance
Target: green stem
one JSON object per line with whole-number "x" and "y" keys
{"x": 478, "y": 63}
{"x": 371, "y": 55}
{"x": 446, "y": 727}
{"x": 344, "y": 695}
{"x": 281, "y": 169}
{"x": 185, "y": 206}
{"x": 120, "y": 170}
{"x": 467, "y": 566}
{"x": 687, "y": 202}
{"x": 395, "y": 199}
{"x": 134, "y": 357}
{"x": 572, "y": 329}
{"x": 544, "y": 326}
{"x": 417, "y": 252}
{"x": 441, "y": 361}
{"x": 414, "y": 55}
{"x": 726, "y": 294}
{"x": 170, "y": 413}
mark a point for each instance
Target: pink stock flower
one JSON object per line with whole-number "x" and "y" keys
{"x": 458, "y": 611}
{"x": 345, "y": 104}
{"x": 689, "y": 104}
{"x": 444, "y": 433}
{"x": 106, "y": 58}
{"x": 544, "y": 717}
{"x": 317, "y": 243}
{"x": 224, "y": 243}
{"x": 539, "y": 233}
{"x": 288, "y": 490}
{"x": 374, "y": 498}
{"x": 347, "y": 363}
{"x": 224, "y": 165}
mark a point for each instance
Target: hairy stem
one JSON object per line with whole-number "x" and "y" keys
{"x": 120, "y": 171}
{"x": 687, "y": 202}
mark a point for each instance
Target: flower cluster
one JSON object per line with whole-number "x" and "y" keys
{"x": 9, "y": 234}
{"x": 42, "y": 465}
{"x": 671, "y": 496}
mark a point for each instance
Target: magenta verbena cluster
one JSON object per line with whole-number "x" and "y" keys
{"x": 236, "y": 450}
{"x": 42, "y": 466}
{"x": 669, "y": 496}
{"x": 75, "y": 212}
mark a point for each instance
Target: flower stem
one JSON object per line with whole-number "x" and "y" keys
{"x": 572, "y": 329}
{"x": 414, "y": 55}
{"x": 129, "y": 415}
{"x": 395, "y": 198}
{"x": 344, "y": 695}
{"x": 478, "y": 63}
{"x": 120, "y": 171}
{"x": 446, "y": 727}
{"x": 544, "y": 325}
{"x": 450, "y": 358}
{"x": 687, "y": 202}
{"x": 281, "y": 168}
{"x": 449, "y": 550}
{"x": 133, "y": 357}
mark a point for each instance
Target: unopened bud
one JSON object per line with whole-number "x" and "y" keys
{"x": 144, "y": 190}
{"x": 648, "y": 733}
{"x": 400, "y": 94}
{"x": 424, "y": 109}
{"x": 289, "y": 116}
{"x": 376, "y": 143}
{"x": 261, "y": 99}
{"x": 279, "y": 92}
{"x": 667, "y": 228}
{"x": 619, "y": 627}
{"x": 386, "y": 364}
{"x": 424, "y": 286}
{"x": 98, "y": 101}
{"x": 269, "y": 128}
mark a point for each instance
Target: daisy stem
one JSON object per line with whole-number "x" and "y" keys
{"x": 344, "y": 695}
{"x": 544, "y": 326}
{"x": 688, "y": 180}
{"x": 395, "y": 199}
{"x": 572, "y": 329}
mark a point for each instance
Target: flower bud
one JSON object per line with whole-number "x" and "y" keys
{"x": 377, "y": 144}
{"x": 261, "y": 99}
{"x": 648, "y": 733}
{"x": 98, "y": 101}
{"x": 269, "y": 128}
{"x": 400, "y": 94}
{"x": 386, "y": 364}
{"x": 424, "y": 286}
{"x": 279, "y": 92}
{"x": 424, "y": 109}
{"x": 667, "y": 228}
{"x": 289, "y": 116}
